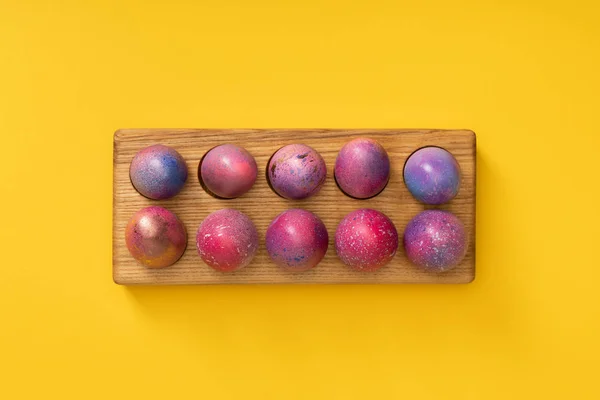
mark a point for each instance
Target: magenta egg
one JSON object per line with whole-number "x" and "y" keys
{"x": 158, "y": 172}
{"x": 362, "y": 168}
{"x": 228, "y": 171}
{"x": 435, "y": 240}
{"x": 366, "y": 240}
{"x": 296, "y": 171}
{"x": 155, "y": 237}
{"x": 227, "y": 240}
{"x": 297, "y": 240}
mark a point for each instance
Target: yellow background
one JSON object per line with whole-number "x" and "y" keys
{"x": 522, "y": 74}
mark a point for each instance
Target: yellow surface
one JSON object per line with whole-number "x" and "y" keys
{"x": 522, "y": 74}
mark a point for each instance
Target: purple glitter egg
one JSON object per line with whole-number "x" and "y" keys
{"x": 432, "y": 175}
{"x": 227, "y": 240}
{"x": 435, "y": 240}
{"x": 366, "y": 240}
{"x": 297, "y": 240}
{"x": 296, "y": 171}
{"x": 158, "y": 172}
{"x": 228, "y": 171}
{"x": 362, "y": 168}
{"x": 155, "y": 237}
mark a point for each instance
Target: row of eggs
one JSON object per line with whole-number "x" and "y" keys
{"x": 297, "y": 171}
{"x": 297, "y": 239}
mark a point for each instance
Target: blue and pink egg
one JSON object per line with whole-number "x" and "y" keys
{"x": 158, "y": 172}
{"x": 297, "y": 240}
{"x": 435, "y": 240}
{"x": 362, "y": 168}
{"x": 366, "y": 240}
{"x": 432, "y": 175}
{"x": 227, "y": 240}
{"x": 228, "y": 171}
{"x": 296, "y": 171}
{"x": 155, "y": 237}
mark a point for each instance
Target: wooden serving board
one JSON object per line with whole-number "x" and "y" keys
{"x": 261, "y": 204}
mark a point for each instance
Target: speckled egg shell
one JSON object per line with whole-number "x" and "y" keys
{"x": 158, "y": 172}
{"x": 362, "y": 168}
{"x": 228, "y": 171}
{"x": 227, "y": 240}
{"x": 155, "y": 237}
{"x": 432, "y": 175}
{"x": 296, "y": 171}
{"x": 366, "y": 240}
{"x": 297, "y": 240}
{"x": 435, "y": 240}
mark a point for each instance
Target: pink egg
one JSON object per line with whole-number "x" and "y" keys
{"x": 228, "y": 171}
{"x": 227, "y": 240}
{"x": 297, "y": 240}
{"x": 155, "y": 237}
{"x": 362, "y": 168}
{"x": 366, "y": 240}
{"x": 296, "y": 171}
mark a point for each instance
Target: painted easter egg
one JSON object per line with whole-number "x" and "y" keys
{"x": 296, "y": 171}
{"x": 158, "y": 172}
{"x": 297, "y": 240}
{"x": 227, "y": 240}
{"x": 362, "y": 168}
{"x": 155, "y": 237}
{"x": 228, "y": 171}
{"x": 366, "y": 240}
{"x": 432, "y": 175}
{"x": 435, "y": 240}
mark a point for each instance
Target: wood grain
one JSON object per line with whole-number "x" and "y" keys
{"x": 193, "y": 204}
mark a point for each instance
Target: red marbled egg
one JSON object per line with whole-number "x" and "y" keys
{"x": 227, "y": 240}
{"x": 366, "y": 240}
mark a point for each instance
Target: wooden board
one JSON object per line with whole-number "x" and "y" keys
{"x": 193, "y": 204}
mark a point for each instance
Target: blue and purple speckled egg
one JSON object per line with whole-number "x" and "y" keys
{"x": 297, "y": 240}
{"x": 228, "y": 171}
{"x": 158, "y": 172}
{"x": 362, "y": 168}
{"x": 296, "y": 171}
{"x": 366, "y": 240}
{"x": 155, "y": 237}
{"x": 227, "y": 240}
{"x": 435, "y": 240}
{"x": 432, "y": 175}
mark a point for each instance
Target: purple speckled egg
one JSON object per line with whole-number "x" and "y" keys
{"x": 155, "y": 237}
{"x": 296, "y": 171}
{"x": 435, "y": 240}
{"x": 227, "y": 240}
{"x": 362, "y": 168}
{"x": 432, "y": 175}
{"x": 228, "y": 171}
{"x": 366, "y": 240}
{"x": 297, "y": 240}
{"x": 158, "y": 172}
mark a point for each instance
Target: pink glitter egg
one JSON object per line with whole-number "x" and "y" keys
{"x": 228, "y": 171}
{"x": 435, "y": 240}
{"x": 297, "y": 240}
{"x": 366, "y": 240}
{"x": 296, "y": 171}
{"x": 155, "y": 237}
{"x": 227, "y": 240}
{"x": 158, "y": 172}
{"x": 362, "y": 168}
